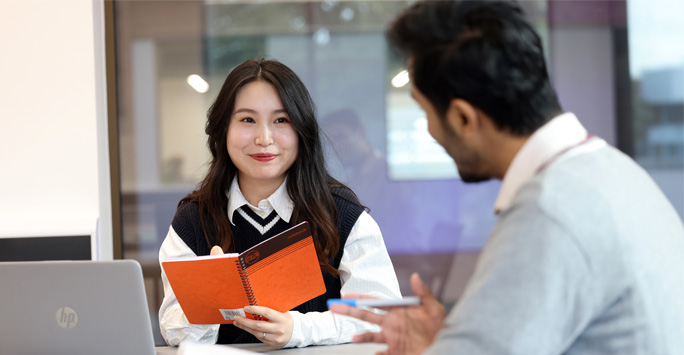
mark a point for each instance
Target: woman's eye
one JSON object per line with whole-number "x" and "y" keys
{"x": 281, "y": 120}
{"x": 247, "y": 120}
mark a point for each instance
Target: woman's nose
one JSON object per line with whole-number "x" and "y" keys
{"x": 264, "y": 137}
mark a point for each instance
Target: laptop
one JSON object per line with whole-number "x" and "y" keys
{"x": 74, "y": 307}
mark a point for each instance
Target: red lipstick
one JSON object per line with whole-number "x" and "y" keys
{"x": 263, "y": 157}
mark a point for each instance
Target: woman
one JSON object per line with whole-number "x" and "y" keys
{"x": 267, "y": 173}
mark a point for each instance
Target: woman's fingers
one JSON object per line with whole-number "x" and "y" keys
{"x": 276, "y": 326}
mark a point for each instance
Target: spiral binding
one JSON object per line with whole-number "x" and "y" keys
{"x": 247, "y": 286}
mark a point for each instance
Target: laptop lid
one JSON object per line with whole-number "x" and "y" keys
{"x": 74, "y": 307}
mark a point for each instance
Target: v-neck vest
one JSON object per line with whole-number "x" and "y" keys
{"x": 250, "y": 229}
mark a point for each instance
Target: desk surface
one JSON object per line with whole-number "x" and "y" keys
{"x": 342, "y": 349}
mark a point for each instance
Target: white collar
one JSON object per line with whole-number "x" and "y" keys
{"x": 553, "y": 138}
{"x": 279, "y": 201}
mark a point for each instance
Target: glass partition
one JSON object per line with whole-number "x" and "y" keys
{"x": 657, "y": 92}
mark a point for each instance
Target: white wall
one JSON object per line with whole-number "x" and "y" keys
{"x": 51, "y": 113}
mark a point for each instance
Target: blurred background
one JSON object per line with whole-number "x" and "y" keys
{"x": 619, "y": 65}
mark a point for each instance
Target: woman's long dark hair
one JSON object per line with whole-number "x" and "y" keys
{"x": 309, "y": 184}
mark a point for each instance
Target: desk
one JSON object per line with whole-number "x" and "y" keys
{"x": 342, "y": 349}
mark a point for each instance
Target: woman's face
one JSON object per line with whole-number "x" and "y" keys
{"x": 261, "y": 140}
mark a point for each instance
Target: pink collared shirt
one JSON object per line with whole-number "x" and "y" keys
{"x": 563, "y": 136}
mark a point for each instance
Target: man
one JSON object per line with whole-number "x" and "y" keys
{"x": 587, "y": 255}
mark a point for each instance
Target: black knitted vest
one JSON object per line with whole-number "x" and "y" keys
{"x": 186, "y": 223}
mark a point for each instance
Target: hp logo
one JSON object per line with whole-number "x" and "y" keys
{"x": 67, "y": 317}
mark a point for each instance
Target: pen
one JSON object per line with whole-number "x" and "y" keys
{"x": 354, "y": 302}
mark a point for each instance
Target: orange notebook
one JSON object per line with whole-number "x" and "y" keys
{"x": 281, "y": 273}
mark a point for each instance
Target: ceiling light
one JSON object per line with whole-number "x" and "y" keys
{"x": 197, "y": 83}
{"x": 401, "y": 79}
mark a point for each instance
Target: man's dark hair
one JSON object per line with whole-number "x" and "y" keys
{"x": 484, "y": 52}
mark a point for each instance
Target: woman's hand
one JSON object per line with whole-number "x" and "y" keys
{"x": 275, "y": 330}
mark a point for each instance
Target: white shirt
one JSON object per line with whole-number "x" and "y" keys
{"x": 563, "y": 136}
{"x": 365, "y": 268}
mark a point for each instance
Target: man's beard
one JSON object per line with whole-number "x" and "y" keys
{"x": 468, "y": 159}
{"x": 473, "y": 178}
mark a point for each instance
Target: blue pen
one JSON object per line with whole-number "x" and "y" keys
{"x": 354, "y": 302}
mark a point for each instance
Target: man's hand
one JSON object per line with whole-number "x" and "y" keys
{"x": 405, "y": 330}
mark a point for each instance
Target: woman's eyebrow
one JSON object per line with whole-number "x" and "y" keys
{"x": 249, "y": 110}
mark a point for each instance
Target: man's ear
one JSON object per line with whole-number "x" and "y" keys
{"x": 463, "y": 118}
